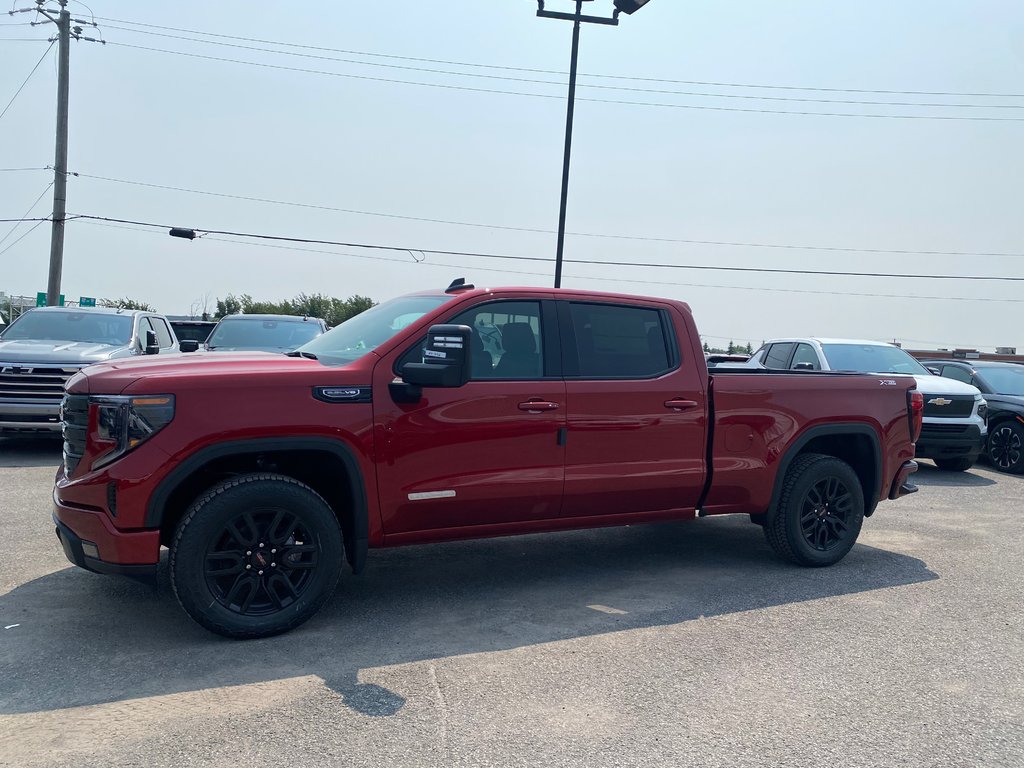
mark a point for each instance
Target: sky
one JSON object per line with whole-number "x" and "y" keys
{"x": 348, "y": 154}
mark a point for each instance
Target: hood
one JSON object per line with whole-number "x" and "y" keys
{"x": 1009, "y": 402}
{"x": 59, "y": 352}
{"x": 940, "y": 385}
{"x": 170, "y": 373}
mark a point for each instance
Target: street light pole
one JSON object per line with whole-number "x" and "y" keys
{"x": 621, "y": 6}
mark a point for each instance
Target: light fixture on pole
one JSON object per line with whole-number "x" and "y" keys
{"x": 621, "y": 6}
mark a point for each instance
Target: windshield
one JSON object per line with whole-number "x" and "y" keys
{"x": 1004, "y": 381}
{"x": 261, "y": 333}
{"x": 86, "y": 327}
{"x": 357, "y": 336}
{"x": 871, "y": 358}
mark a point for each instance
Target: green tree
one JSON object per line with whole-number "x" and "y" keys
{"x": 732, "y": 347}
{"x": 748, "y": 349}
{"x": 329, "y": 308}
{"x": 706, "y": 347}
{"x": 126, "y": 303}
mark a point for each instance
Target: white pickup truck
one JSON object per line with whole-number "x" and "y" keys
{"x": 954, "y": 431}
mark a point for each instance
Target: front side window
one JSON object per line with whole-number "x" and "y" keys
{"x": 87, "y": 327}
{"x": 616, "y": 341}
{"x": 163, "y": 333}
{"x": 805, "y": 356}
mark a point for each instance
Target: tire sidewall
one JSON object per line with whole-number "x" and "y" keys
{"x": 793, "y": 504}
{"x": 207, "y": 520}
{"x": 1015, "y": 429}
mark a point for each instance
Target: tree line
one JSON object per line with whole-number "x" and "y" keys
{"x": 330, "y": 309}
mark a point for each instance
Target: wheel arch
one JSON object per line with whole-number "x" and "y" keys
{"x": 326, "y": 465}
{"x": 855, "y": 443}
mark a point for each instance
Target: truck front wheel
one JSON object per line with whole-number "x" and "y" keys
{"x": 820, "y": 511}
{"x": 255, "y": 556}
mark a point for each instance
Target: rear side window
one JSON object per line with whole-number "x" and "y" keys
{"x": 778, "y": 355}
{"x": 615, "y": 341}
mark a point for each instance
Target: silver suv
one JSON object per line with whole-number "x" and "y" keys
{"x": 46, "y": 346}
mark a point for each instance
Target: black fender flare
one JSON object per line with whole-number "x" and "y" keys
{"x": 828, "y": 430}
{"x": 355, "y": 550}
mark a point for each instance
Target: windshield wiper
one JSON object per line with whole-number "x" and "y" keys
{"x": 299, "y": 353}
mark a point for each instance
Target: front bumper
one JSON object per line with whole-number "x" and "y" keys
{"x": 950, "y": 441}
{"x": 38, "y": 417}
{"x": 91, "y": 542}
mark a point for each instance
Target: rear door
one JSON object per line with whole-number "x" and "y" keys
{"x": 636, "y": 410}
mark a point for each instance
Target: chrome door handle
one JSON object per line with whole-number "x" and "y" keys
{"x": 679, "y": 404}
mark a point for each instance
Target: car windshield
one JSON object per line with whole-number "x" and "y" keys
{"x": 871, "y": 358}
{"x": 367, "y": 330}
{"x": 262, "y": 333}
{"x": 1004, "y": 381}
{"x": 85, "y": 327}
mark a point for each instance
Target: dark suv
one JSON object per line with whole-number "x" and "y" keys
{"x": 1003, "y": 387}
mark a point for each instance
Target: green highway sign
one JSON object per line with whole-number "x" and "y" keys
{"x": 86, "y": 301}
{"x": 41, "y": 299}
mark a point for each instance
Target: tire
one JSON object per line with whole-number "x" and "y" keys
{"x": 256, "y": 556}
{"x": 954, "y": 465}
{"x": 820, "y": 512}
{"x": 1005, "y": 447}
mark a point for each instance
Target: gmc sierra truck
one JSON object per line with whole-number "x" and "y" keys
{"x": 457, "y": 414}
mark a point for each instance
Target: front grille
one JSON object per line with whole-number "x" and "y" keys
{"x": 948, "y": 406}
{"x": 33, "y": 382}
{"x": 74, "y": 416}
{"x": 944, "y": 429}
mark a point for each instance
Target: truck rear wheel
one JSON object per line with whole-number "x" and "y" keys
{"x": 255, "y": 556}
{"x": 820, "y": 511}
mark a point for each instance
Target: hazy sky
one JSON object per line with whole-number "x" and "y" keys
{"x": 495, "y": 158}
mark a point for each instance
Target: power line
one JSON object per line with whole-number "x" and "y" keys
{"x": 592, "y": 262}
{"x": 27, "y": 212}
{"x": 13, "y": 170}
{"x": 619, "y": 280}
{"x": 40, "y": 218}
{"x": 641, "y": 238}
{"x": 477, "y": 65}
{"x": 24, "y": 235}
{"x": 632, "y": 89}
{"x": 445, "y": 86}
{"x": 20, "y": 87}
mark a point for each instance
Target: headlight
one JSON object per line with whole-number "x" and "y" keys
{"x": 118, "y": 424}
{"x": 983, "y": 410}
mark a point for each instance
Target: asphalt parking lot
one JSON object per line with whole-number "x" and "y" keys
{"x": 669, "y": 645}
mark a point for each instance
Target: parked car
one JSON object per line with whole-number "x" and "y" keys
{"x": 261, "y": 473}
{"x": 193, "y": 330}
{"x": 46, "y": 346}
{"x": 954, "y": 430}
{"x": 1002, "y": 384}
{"x": 266, "y": 333}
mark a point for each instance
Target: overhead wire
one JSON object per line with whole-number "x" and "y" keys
{"x": 626, "y": 102}
{"x": 533, "y": 230}
{"x": 450, "y": 62}
{"x": 27, "y": 212}
{"x": 632, "y": 89}
{"x": 620, "y": 280}
{"x": 25, "y": 82}
{"x": 592, "y": 262}
{"x": 25, "y": 234}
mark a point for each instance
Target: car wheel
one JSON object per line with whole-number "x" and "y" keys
{"x": 255, "y": 556}
{"x": 820, "y": 512}
{"x": 954, "y": 465}
{"x": 1006, "y": 447}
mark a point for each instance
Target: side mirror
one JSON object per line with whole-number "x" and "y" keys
{"x": 446, "y": 363}
{"x": 188, "y": 345}
{"x": 803, "y": 367}
{"x": 152, "y": 345}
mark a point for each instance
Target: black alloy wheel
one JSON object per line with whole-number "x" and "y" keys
{"x": 256, "y": 555}
{"x": 827, "y": 505}
{"x": 820, "y": 511}
{"x": 1006, "y": 447}
{"x": 262, "y": 562}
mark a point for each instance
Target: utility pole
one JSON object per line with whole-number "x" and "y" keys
{"x": 65, "y": 32}
{"x": 60, "y": 161}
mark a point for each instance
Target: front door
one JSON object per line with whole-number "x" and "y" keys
{"x": 484, "y": 454}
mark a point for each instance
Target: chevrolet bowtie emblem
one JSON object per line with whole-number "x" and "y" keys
{"x": 939, "y": 401}
{"x": 9, "y": 369}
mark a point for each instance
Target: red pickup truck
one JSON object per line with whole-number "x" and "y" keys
{"x": 457, "y": 414}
